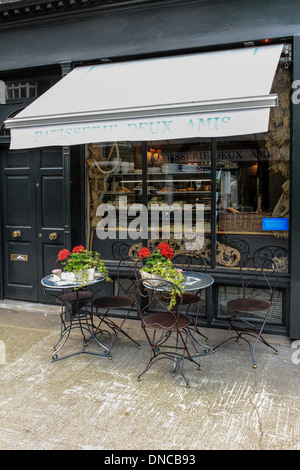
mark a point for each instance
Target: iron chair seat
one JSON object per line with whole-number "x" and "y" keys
{"x": 244, "y": 305}
{"x": 113, "y": 301}
{"x": 165, "y": 321}
{"x": 72, "y": 297}
{"x": 256, "y": 272}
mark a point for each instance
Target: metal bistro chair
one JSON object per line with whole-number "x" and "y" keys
{"x": 128, "y": 269}
{"x": 165, "y": 329}
{"x": 191, "y": 262}
{"x": 261, "y": 273}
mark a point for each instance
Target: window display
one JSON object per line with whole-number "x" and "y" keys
{"x": 166, "y": 198}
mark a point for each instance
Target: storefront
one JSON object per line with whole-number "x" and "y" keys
{"x": 196, "y": 148}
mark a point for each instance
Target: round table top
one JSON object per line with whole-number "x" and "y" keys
{"x": 48, "y": 282}
{"x": 196, "y": 280}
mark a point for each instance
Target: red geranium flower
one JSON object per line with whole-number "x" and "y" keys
{"x": 144, "y": 253}
{"x": 165, "y": 250}
{"x": 79, "y": 249}
{"x": 163, "y": 245}
{"x": 63, "y": 254}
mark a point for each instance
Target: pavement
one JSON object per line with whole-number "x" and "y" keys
{"x": 87, "y": 402}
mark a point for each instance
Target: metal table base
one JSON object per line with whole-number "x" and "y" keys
{"x": 82, "y": 321}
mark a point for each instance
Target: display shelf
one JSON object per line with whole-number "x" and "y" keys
{"x": 181, "y": 189}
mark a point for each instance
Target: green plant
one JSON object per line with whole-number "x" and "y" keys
{"x": 159, "y": 263}
{"x": 81, "y": 259}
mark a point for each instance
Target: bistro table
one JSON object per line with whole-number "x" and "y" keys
{"x": 73, "y": 315}
{"x": 194, "y": 283}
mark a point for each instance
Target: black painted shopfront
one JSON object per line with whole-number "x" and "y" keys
{"x": 52, "y": 196}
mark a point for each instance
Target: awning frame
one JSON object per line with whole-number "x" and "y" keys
{"x": 237, "y": 104}
{"x": 203, "y": 95}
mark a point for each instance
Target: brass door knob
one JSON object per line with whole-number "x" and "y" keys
{"x": 53, "y": 236}
{"x": 16, "y": 233}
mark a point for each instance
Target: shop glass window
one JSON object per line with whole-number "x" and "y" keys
{"x": 114, "y": 173}
{"x": 252, "y": 201}
{"x": 252, "y": 188}
{"x": 179, "y": 195}
{"x": 166, "y": 198}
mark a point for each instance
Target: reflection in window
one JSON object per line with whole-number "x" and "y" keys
{"x": 252, "y": 182}
{"x": 174, "y": 194}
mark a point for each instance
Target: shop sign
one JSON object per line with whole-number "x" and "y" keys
{"x": 237, "y": 155}
{"x": 205, "y": 125}
{"x": 273, "y": 223}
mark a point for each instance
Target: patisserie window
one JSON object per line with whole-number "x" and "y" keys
{"x": 170, "y": 185}
{"x": 230, "y": 196}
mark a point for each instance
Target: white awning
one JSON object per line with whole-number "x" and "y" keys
{"x": 213, "y": 94}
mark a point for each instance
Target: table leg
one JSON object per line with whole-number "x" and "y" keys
{"x": 78, "y": 320}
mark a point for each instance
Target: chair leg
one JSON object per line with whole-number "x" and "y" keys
{"x": 263, "y": 340}
{"x": 250, "y": 331}
{"x": 176, "y": 357}
{"x": 230, "y": 320}
{"x": 114, "y": 327}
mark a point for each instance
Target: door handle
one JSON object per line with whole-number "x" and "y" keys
{"x": 16, "y": 233}
{"x": 53, "y": 236}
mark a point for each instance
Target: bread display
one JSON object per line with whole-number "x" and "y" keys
{"x": 123, "y": 189}
{"x": 204, "y": 187}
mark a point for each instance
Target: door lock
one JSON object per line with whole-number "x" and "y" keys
{"x": 53, "y": 236}
{"x": 16, "y": 233}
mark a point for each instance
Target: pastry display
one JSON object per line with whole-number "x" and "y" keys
{"x": 123, "y": 189}
{"x": 163, "y": 188}
{"x": 184, "y": 190}
{"x": 204, "y": 187}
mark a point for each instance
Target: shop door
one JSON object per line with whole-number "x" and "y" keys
{"x": 33, "y": 218}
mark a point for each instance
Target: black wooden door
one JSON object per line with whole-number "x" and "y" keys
{"x": 33, "y": 218}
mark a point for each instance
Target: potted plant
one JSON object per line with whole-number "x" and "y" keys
{"x": 82, "y": 263}
{"x": 158, "y": 265}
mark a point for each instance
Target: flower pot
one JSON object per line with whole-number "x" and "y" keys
{"x": 145, "y": 275}
{"x": 79, "y": 275}
{"x": 90, "y": 274}
{"x": 67, "y": 276}
{"x": 85, "y": 275}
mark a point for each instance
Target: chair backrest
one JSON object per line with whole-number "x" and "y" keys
{"x": 189, "y": 262}
{"x": 127, "y": 275}
{"x": 261, "y": 273}
{"x": 150, "y": 296}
